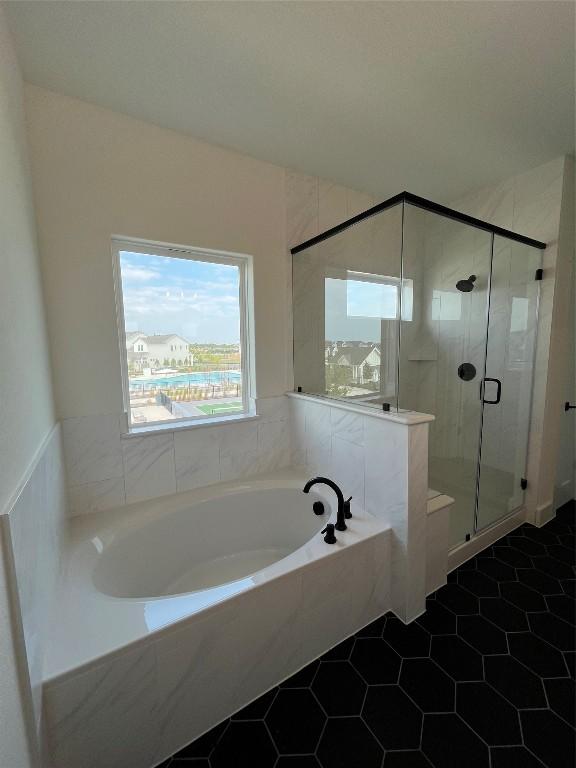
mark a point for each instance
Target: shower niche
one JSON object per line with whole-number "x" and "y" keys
{"x": 412, "y": 306}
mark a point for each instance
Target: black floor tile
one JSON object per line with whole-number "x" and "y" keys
{"x": 409, "y": 759}
{"x": 570, "y": 659}
{"x": 557, "y": 632}
{"x": 549, "y": 738}
{"x": 496, "y": 569}
{"x": 437, "y": 620}
{"x": 527, "y": 546}
{"x": 348, "y": 743}
{"x": 457, "y": 599}
{"x": 457, "y": 658}
{"x": 522, "y": 597}
{"x": 565, "y": 554}
{"x": 257, "y": 710}
{"x": 541, "y": 535}
{"x": 513, "y": 757}
{"x": 407, "y": 640}
{"x": 553, "y": 567}
{"x": 536, "y": 654}
{"x": 242, "y": 744}
{"x": 375, "y": 661}
{"x": 427, "y": 685}
{"x": 488, "y": 714}
{"x": 563, "y": 607}
{"x": 295, "y": 721}
{"x": 449, "y": 743}
{"x": 482, "y": 634}
{"x": 303, "y": 678}
{"x": 504, "y": 615}
{"x": 297, "y": 761}
{"x": 568, "y": 540}
{"x": 392, "y": 717}
{"x": 374, "y": 629}
{"x": 339, "y": 688}
{"x": 196, "y": 762}
{"x": 340, "y": 652}
{"x": 561, "y": 694}
{"x": 205, "y": 744}
{"x": 478, "y": 583}
{"x": 512, "y": 556}
{"x": 569, "y": 587}
{"x": 541, "y": 582}
{"x": 514, "y": 681}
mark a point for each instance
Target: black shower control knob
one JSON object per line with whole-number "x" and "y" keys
{"x": 466, "y": 371}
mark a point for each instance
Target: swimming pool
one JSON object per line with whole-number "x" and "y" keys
{"x": 198, "y": 379}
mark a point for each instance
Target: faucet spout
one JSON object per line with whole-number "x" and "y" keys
{"x": 341, "y": 513}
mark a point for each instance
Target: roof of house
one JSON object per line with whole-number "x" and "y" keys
{"x": 354, "y": 355}
{"x": 158, "y": 338}
{"x": 133, "y": 336}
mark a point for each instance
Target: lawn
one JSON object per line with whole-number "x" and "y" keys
{"x": 220, "y": 408}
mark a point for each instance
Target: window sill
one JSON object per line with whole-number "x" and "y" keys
{"x": 164, "y": 429}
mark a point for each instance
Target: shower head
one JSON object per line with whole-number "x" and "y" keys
{"x": 466, "y": 285}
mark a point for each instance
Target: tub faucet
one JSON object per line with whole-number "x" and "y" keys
{"x": 343, "y": 506}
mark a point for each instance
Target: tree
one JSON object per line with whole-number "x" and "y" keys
{"x": 337, "y": 379}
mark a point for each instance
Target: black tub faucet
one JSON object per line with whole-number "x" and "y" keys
{"x": 343, "y": 506}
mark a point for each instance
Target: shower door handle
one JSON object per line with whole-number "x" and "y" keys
{"x": 498, "y": 390}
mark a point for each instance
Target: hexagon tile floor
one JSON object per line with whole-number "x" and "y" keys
{"x": 484, "y": 679}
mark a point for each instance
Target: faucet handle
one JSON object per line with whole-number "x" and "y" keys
{"x": 330, "y": 538}
{"x": 347, "y": 513}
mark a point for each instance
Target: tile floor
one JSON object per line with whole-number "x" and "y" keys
{"x": 484, "y": 679}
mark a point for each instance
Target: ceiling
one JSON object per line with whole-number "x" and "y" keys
{"x": 435, "y": 97}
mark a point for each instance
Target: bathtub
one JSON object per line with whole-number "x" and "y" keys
{"x": 177, "y": 612}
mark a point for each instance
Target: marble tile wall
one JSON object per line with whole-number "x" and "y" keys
{"x": 105, "y": 469}
{"x": 36, "y": 522}
{"x": 382, "y": 462}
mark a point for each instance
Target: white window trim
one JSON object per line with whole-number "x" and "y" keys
{"x": 244, "y": 262}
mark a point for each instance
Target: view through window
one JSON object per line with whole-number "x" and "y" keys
{"x": 182, "y": 317}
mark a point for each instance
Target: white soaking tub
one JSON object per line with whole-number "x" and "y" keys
{"x": 179, "y": 611}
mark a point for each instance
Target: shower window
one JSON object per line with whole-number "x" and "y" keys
{"x": 182, "y": 316}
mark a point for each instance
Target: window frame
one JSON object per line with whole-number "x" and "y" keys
{"x": 244, "y": 263}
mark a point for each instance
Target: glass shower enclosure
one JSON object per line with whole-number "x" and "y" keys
{"x": 412, "y": 306}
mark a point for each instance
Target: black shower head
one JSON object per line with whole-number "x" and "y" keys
{"x": 466, "y": 285}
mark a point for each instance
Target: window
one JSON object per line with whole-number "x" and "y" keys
{"x": 171, "y": 299}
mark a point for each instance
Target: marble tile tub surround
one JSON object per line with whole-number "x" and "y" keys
{"x": 105, "y": 469}
{"x": 137, "y": 706}
{"x": 381, "y": 460}
{"x": 36, "y": 523}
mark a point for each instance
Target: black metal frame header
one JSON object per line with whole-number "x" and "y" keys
{"x": 427, "y": 205}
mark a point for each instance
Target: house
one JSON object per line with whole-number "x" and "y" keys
{"x": 363, "y": 359}
{"x": 155, "y": 351}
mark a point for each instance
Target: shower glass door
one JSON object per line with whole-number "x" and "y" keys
{"x": 508, "y": 387}
{"x": 446, "y": 264}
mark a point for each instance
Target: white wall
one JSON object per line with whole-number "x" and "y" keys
{"x": 98, "y": 173}
{"x": 26, "y": 412}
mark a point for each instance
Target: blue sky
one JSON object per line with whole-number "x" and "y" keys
{"x": 197, "y": 300}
